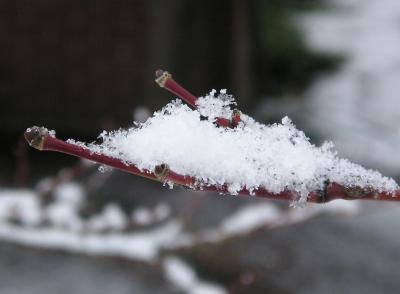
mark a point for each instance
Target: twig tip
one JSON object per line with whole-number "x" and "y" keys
{"x": 161, "y": 171}
{"x": 162, "y": 77}
{"x": 35, "y": 136}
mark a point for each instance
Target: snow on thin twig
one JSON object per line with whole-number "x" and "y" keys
{"x": 252, "y": 155}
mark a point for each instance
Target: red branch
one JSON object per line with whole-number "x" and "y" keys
{"x": 164, "y": 80}
{"x": 39, "y": 138}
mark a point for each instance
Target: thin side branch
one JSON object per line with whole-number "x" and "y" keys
{"x": 164, "y": 80}
{"x": 39, "y": 138}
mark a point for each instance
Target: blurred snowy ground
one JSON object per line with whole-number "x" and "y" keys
{"x": 146, "y": 234}
{"x": 359, "y": 106}
{"x": 248, "y": 246}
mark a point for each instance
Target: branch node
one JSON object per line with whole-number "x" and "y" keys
{"x": 35, "y": 136}
{"x": 162, "y": 77}
{"x": 161, "y": 171}
{"x": 355, "y": 192}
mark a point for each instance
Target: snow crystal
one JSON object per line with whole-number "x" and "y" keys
{"x": 252, "y": 155}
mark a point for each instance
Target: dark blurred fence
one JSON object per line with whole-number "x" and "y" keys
{"x": 70, "y": 64}
{"x": 78, "y": 66}
{"x": 81, "y": 66}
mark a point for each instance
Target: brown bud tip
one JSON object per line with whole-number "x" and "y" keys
{"x": 162, "y": 77}
{"x": 161, "y": 171}
{"x": 35, "y": 136}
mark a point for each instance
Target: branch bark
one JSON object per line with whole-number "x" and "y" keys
{"x": 39, "y": 138}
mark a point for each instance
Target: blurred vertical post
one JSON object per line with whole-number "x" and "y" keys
{"x": 21, "y": 163}
{"x": 163, "y": 30}
{"x": 241, "y": 39}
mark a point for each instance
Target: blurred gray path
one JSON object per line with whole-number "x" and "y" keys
{"x": 333, "y": 254}
{"x": 24, "y": 270}
{"x": 328, "y": 254}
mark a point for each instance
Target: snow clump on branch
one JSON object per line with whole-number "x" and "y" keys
{"x": 251, "y": 155}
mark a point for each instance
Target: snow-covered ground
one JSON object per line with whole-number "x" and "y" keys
{"x": 25, "y": 220}
{"x": 359, "y": 106}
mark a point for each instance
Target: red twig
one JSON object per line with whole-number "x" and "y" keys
{"x": 40, "y": 139}
{"x": 164, "y": 80}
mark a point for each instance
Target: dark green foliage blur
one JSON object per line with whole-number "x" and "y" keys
{"x": 284, "y": 63}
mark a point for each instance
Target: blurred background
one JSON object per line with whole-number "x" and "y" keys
{"x": 81, "y": 67}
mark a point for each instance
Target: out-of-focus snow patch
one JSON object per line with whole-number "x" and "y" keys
{"x": 64, "y": 210}
{"x": 264, "y": 215}
{"x": 341, "y": 207}
{"x": 58, "y": 226}
{"x": 21, "y": 206}
{"x": 359, "y": 106}
{"x": 184, "y": 278}
{"x": 142, "y": 216}
{"x": 111, "y": 218}
{"x": 250, "y": 217}
{"x": 146, "y": 216}
{"x": 162, "y": 211}
{"x": 139, "y": 246}
{"x": 70, "y": 193}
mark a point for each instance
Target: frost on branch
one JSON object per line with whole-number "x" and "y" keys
{"x": 252, "y": 155}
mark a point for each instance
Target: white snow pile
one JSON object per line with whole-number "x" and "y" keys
{"x": 252, "y": 155}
